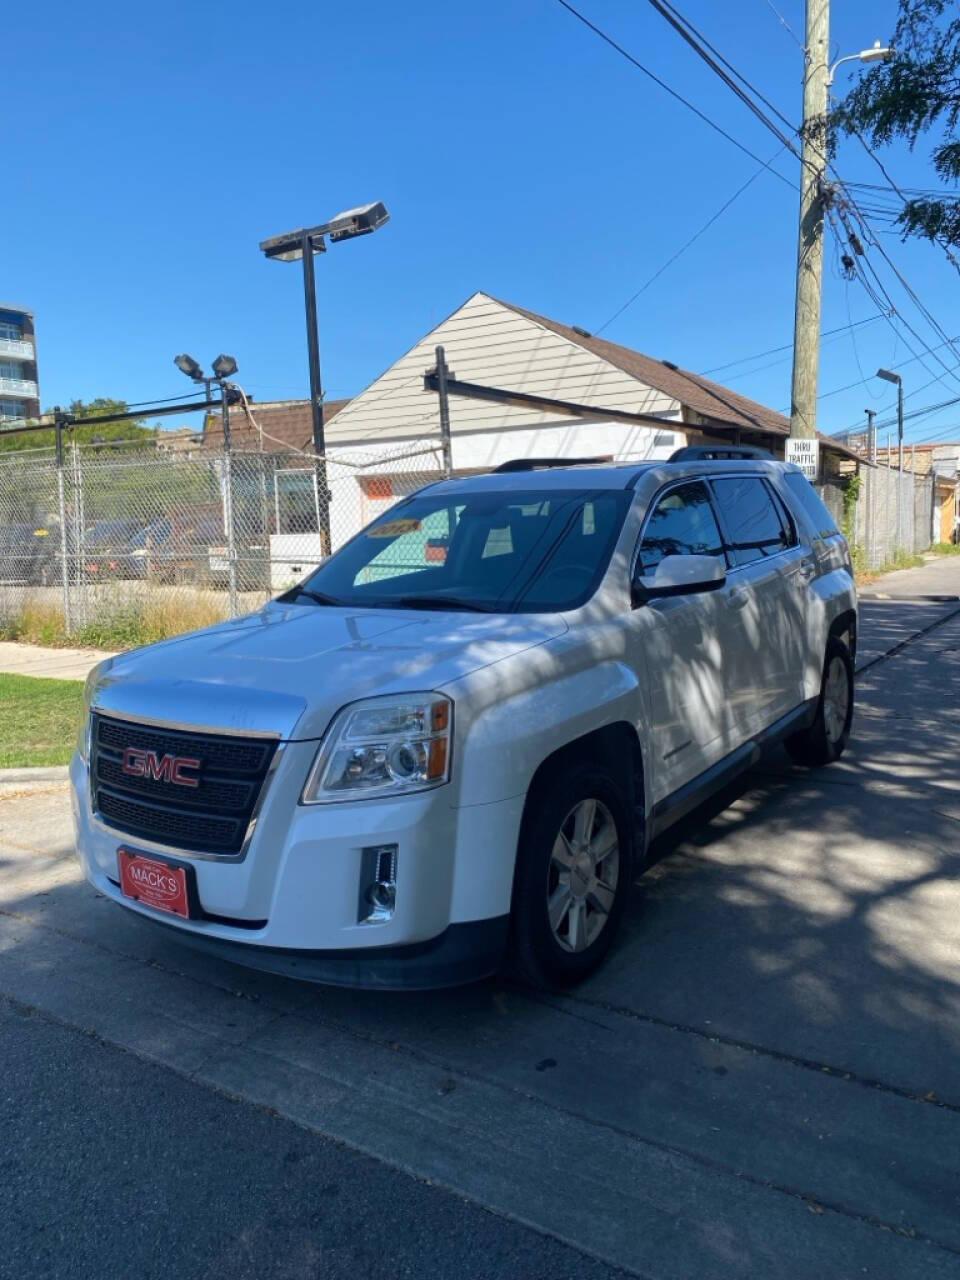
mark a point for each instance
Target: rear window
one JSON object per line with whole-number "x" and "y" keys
{"x": 800, "y": 488}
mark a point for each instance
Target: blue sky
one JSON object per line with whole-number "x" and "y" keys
{"x": 152, "y": 147}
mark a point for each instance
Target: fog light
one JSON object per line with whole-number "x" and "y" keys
{"x": 378, "y": 884}
{"x": 383, "y": 896}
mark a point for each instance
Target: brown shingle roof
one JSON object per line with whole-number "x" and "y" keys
{"x": 284, "y": 424}
{"x": 704, "y": 397}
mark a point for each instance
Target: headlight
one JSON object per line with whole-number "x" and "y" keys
{"x": 382, "y": 747}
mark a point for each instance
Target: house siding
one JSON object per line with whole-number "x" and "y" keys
{"x": 488, "y": 343}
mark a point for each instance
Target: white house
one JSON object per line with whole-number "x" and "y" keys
{"x": 386, "y": 441}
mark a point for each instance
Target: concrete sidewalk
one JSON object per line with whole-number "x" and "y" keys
{"x": 37, "y": 660}
{"x": 939, "y": 578}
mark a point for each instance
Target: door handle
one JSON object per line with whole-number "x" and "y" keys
{"x": 807, "y": 569}
{"x": 738, "y": 597}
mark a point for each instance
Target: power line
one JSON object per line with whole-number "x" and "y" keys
{"x": 787, "y": 346}
{"x": 786, "y": 25}
{"x": 700, "y": 46}
{"x": 937, "y": 435}
{"x": 693, "y": 239}
{"x": 921, "y": 306}
{"x": 899, "y": 192}
{"x": 922, "y": 412}
{"x": 877, "y": 291}
{"x": 856, "y": 426}
{"x": 663, "y": 85}
{"x": 690, "y": 33}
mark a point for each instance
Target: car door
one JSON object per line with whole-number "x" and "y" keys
{"x": 680, "y": 642}
{"x": 763, "y": 663}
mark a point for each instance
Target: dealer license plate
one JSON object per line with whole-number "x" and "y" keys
{"x": 153, "y": 883}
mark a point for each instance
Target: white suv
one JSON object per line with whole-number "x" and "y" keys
{"x": 454, "y": 741}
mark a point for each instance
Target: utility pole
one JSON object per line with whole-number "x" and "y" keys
{"x": 871, "y": 435}
{"x": 871, "y": 486}
{"x": 806, "y": 333}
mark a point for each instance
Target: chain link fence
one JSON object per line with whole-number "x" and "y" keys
{"x": 158, "y": 543}
{"x": 175, "y": 541}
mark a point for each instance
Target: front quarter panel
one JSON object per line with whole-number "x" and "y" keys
{"x": 509, "y": 719}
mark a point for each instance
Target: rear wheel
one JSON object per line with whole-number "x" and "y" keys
{"x": 573, "y": 875}
{"x": 827, "y": 737}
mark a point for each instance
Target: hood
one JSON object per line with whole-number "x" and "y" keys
{"x": 289, "y": 668}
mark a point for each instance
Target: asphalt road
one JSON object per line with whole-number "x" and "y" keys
{"x": 764, "y": 1080}
{"x": 114, "y": 1167}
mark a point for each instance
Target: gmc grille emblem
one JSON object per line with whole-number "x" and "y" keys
{"x": 180, "y": 770}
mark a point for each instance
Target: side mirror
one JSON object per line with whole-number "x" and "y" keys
{"x": 679, "y": 576}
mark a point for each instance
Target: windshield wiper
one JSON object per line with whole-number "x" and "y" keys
{"x": 433, "y": 602}
{"x": 317, "y": 596}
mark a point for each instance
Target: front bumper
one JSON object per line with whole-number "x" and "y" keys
{"x": 291, "y": 905}
{"x": 462, "y": 953}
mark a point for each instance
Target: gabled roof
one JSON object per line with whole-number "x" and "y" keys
{"x": 709, "y": 399}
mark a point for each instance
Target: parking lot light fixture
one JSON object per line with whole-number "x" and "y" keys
{"x": 186, "y": 364}
{"x": 302, "y": 244}
{"x": 224, "y": 366}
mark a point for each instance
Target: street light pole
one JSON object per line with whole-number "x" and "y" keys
{"x": 889, "y": 376}
{"x": 304, "y": 244}
{"x": 308, "y": 246}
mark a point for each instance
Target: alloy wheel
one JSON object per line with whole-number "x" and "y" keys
{"x": 836, "y": 700}
{"x": 583, "y": 875}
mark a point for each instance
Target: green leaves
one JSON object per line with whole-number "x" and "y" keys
{"x": 914, "y": 93}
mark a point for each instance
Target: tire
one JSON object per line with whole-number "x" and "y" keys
{"x": 826, "y": 739}
{"x": 554, "y": 865}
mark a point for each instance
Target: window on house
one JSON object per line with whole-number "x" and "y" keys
{"x": 12, "y": 332}
{"x": 10, "y": 369}
{"x": 295, "y": 500}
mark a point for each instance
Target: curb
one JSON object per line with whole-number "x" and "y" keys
{"x": 894, "y": 599}
{"x": 21, "y": 779}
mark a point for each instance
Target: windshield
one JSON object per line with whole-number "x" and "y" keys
{"x": 535, "y": 551}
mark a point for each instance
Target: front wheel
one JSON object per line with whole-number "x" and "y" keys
{"x": 827, "y": 737}
{"x": 573, "y": 875}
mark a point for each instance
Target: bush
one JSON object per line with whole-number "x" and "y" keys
{"x": 144, "y": 622}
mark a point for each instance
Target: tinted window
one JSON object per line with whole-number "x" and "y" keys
{"x": 813, "y": 508}
{"x": 786, "y": 519}
{"x": 682, "y": 524}
{"x": 751, "y": 521}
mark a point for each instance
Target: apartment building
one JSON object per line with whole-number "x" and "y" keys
{"x": 19, "y": 392}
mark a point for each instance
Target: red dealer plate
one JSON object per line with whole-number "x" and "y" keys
{"x": 153, "y": 883}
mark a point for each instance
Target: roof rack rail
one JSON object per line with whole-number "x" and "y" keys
{"x": 535, "y": 464}
{"x": 718, "y": 452}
